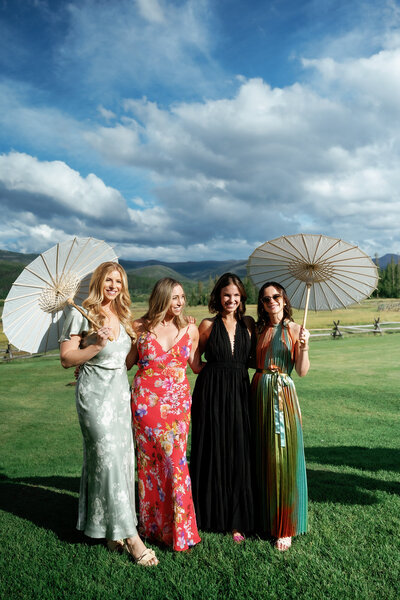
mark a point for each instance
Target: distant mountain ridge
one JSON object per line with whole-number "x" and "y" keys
{"x": 194, "y": 270}
{"x": 384, "y": 260}
{"x": 143, "y": 274}
{"x": 17, "y": 257}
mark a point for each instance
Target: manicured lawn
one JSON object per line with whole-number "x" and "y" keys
{"x": 351, "y": 415}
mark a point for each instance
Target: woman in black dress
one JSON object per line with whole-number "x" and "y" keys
{"x": 220, "y": 464}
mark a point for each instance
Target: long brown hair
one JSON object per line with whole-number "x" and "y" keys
{"x": 214, "y": 303}
{"x": 263, "y": 317}
{"x": 120, "y": 305}
{"x": 159, "y": 303}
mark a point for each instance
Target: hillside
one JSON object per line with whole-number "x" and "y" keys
{"x": 156, "y": 272}
{"x": 16, "y": 257}
{"x": 384, "y": 260}
{"x": 9, "y": 271}
{"x": 143, "y": 274}
{"x": 194, "y": 270}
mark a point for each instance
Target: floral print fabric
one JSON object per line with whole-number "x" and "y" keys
{"x": 161, "y": 416}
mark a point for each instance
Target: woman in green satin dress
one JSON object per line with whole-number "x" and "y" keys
{"x": 281, "y": 484}
{"x": 107, "y": 490}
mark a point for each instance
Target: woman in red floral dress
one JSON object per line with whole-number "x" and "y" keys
{"x": 161, "y": 404}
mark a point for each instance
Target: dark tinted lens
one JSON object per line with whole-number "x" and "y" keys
{"x": 267, "y": 299}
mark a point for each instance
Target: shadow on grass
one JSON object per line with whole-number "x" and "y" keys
{"x": 350, "y": 488}
{"x": 346, "y": 488}
{"x": 369, "y": 459}
{"x": 48, "y": 508}
{"x": 56, "y": 508}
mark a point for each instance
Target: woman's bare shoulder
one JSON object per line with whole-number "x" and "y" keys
{"x": 206, "y": 324}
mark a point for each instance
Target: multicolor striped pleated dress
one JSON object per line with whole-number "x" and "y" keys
{"x": 281, "y": 483}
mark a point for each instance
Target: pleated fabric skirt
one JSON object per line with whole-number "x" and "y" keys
{"x": 281, "y": 482}
{"x": 220, "y": 463}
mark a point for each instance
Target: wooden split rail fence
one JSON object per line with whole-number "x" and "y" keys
{"x": 338, "y": 330}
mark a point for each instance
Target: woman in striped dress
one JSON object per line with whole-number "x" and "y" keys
{"x": 281, "y": 494}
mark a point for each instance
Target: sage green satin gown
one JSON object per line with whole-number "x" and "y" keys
{"x": 107, "y": 489}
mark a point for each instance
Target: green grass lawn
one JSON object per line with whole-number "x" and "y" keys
{"x": 350, "y": 404}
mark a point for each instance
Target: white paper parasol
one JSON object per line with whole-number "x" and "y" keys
{"x": 317, "y": 272}
{"x": 34, "y": 310}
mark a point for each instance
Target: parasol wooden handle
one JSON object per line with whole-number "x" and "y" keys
{"x": 78, "y": 308}
{"x": 306, "y": 306}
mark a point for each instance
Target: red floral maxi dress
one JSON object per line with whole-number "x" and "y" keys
{"x": 161, "y": 403}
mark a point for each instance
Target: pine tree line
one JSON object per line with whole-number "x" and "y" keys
{"x": 389, "y": 280}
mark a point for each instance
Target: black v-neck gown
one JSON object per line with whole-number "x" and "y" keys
{"x": 220, "y": 463}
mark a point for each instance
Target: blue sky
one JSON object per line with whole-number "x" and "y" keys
{"x": 191, "y": 130}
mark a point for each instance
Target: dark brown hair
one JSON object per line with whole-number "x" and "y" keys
{"x": 263, "y": 317}
{"x": 214, "y": 303}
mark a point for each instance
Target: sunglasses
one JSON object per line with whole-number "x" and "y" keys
{"x": 268, "y": 299}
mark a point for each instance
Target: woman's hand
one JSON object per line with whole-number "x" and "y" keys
{"x": 71, "y": 353}
{"x": 302, "y": 360}
{"x": 304, "y": 336}
{"x": 103, "y": 334}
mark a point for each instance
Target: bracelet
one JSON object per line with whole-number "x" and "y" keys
{"x": 304, "y": 348}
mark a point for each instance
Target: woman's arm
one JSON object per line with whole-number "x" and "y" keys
{"x": 72, "y": 355}
{"x": 132, "y": 357}
{"x": 205, "y": 329}
{"x": 194, "y": 359}
{"x": 302, "y": 361}
{"x": 251, "y": 328}
{"x": 202, "y": 334}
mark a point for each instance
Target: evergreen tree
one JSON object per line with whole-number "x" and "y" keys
{"x": 251, "y": 291}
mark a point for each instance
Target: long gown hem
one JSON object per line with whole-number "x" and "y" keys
{"x": 161, "y": 417}
{"x": 115, "y": 535}
{"x": 281, "y": 481}
{"x": 220, "y": 464}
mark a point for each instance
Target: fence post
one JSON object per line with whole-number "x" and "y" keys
{"x": 377, "y": 327}
{"x": 8, "y": 355}
{"x": 336, "y": 331}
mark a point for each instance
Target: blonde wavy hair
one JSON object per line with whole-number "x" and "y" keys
{"x": 159, "y": 303}
{"x": 120, "y": 305}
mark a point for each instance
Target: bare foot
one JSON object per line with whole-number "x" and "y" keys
{"x": 140, "y": 553}
{"x": 283, "y": 544}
